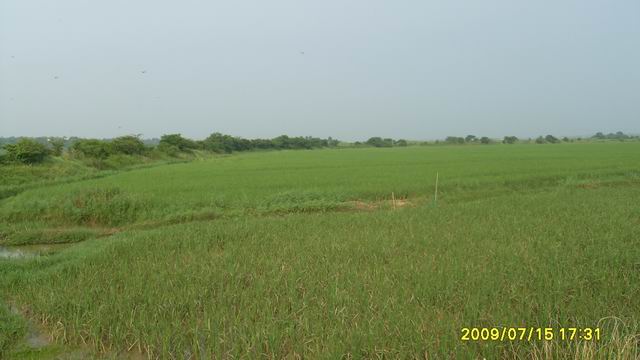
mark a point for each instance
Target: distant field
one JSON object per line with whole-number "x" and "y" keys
{"x": 303, "y": 253}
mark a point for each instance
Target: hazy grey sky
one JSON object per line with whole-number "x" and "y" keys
{"x": 349, "y": 69}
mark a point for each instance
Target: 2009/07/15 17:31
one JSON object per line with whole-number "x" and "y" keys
{"x": 529, "y": 334}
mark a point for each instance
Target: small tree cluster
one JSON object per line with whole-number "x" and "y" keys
{"x": 102, "y": 149}
{"x": 454, "y": 140}
{"x": 26, "y": 151}
{"x": 550, "y": 139}
{"x": 611, "y": 136}
{"x": 377, "y": 141}
{"x": 221, "y": 143}
{"x": 469, "y": 139}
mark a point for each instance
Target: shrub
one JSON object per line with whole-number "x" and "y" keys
{"x": 128, "y": 145}
{"x": 168, "y": 149}
{"x": 551, "y": 139}
{"x": 380, "y": 142}
{"x": 57, "y": 146}
{"x": 93, "y": 148}
{"x": 26, "y": 151}
{"x": 107, "y": 206}
{"x": 454, "y": 140}
{"x": 176, "y": 140}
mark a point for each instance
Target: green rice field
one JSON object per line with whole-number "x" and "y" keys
{"x": 325, "y": 254}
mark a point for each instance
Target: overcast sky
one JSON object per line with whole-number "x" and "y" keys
{"x": 348, "y": 69}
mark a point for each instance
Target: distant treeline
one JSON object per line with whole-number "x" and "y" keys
{"x": 34, "y": 150}
{"x": 473, "y": 139}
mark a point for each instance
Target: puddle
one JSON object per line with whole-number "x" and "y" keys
{"x": 8, "y": 253}
{"x": 35, "y": 338}
{"x": 27, "y": 251}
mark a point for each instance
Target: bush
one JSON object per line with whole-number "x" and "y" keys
{"x": 380, "y": 142}
{"x": 93, "y": 148}
{"x": 176, "y": 140}
{"x": 168, "y": 149}
{"x": 128, "y": 145}
{"x": 220, "y": 143}
{"x": 57, "y": 146}
{"x": 454, "y": 140}
{"x": 119, "y": 161}
{"x": 551, "y": 139}
{"x": 26, "y": 151}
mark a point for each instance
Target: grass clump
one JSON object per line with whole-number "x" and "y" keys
{"x": 102, "y": 206}
{"x": 298, "y": 201}
{"x": 51, "y": 236}
{"x": 12, "y": 329}
{"x": 94, "y": 207}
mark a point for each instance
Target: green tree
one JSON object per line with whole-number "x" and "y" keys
{"x": 379, "y": 142}
{"x": 509, "y": 140}
{"x": 551, "y": 139}
{"x": 57, "y": 146}
{"x": 26, "y": 151}
{"x": 177, "y": 141}
{"x": 485, "y": 140}
{"x": 470, "y": 138}
{"x": 129, "y": 145}
{"x": 93, "y": 148}
{"x": 221, "y": 143}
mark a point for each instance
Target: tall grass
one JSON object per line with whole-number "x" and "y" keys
{"x": 325, "y": 179}
{"x": 534, "y": 236}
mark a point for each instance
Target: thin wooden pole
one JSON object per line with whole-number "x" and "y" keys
{"x": 435, "y": 196}
{"x": 393, "y": 199}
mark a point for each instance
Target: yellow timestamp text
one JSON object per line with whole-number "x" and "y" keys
{"x": 530, "y": 334}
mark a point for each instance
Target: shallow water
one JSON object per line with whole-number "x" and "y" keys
{"x": 8, "y": 253}
{"x": 21, "y": 252}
